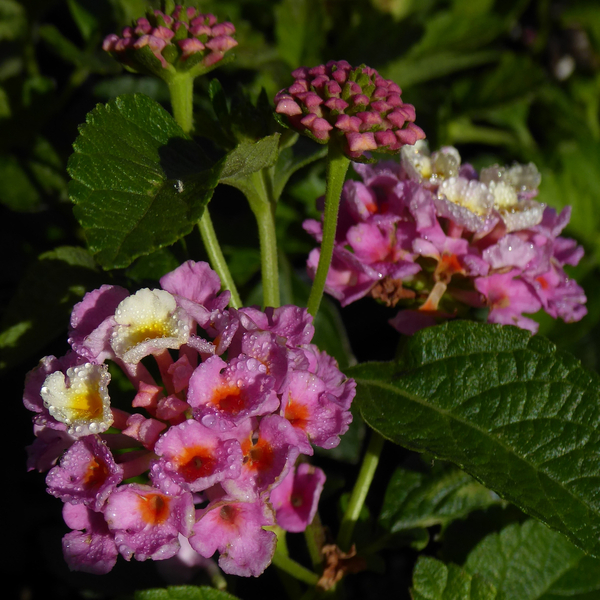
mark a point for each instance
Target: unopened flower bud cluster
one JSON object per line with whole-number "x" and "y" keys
{"x": 437, "y": 239}
{"x": 180, "y": 41}
{"x": 352, "y": 104}
{"x": 216, "y": 438}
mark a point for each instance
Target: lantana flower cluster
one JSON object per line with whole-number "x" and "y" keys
{"x": 181, "y": 40}
{"x": 438, "y": 239}
{"x": 206, "y": 455}
{"x": 352, "y": 104}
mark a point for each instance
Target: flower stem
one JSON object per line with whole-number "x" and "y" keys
{"x": 337, "y": 166}
{"x": 216, "y": 258}
{"x": 181, "y": 89}
{"x": 361, "y": 488}
{"x": 263, "y": 207}
{"x": 290, "y": 566}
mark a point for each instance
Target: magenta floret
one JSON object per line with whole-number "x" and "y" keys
{"x": 354, "y": 105}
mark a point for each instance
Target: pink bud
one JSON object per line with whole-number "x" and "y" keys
{"x": 369, "y": 118}
{"x": 385, "y": 138}
{"x": 333, "y": 88}
{"x": 143, "y": 26}
{"x": 408, "y": 110}
{"x": 109, "y": 42}
{"x": 224, "y": 28}
{"x": 300, "y": 72}
{"x": 381, "y": 106}
{"x": 299, "y": 86}
{"x": 163, "y": 33}
{"x": 396, "y": 118}
{"x": 199, "y": 28}
{"x": 287, "y": 106}
{"x": 221, "y": 43}
{"x": 360, "y": 100}
{"x": 394, "y": 100}
{"x": 319, "y": 81}
{"x": 361, "y": 142}
{"x": 190, "y": 46}
{"x": 348, "y": 123}
{"x": 336, "y": 104}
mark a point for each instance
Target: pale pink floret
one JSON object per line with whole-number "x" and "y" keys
{"x": 508, "y": 298}
{"x": 293, "y": 323}
{"x": 267, "y": 459}
{"x": 92, "y": 321}
{"x": 296, "y": 498}
{"x": 316, "y": 419}
{"x": 146, "y": 523}
{"x": 235, "y": 530}
{"x": 223, "y": 395}
{"x": 196, "y": 288}
{"x": 87, "y": 474}
{"x": 91, "y": 547}
{"x": 196, "y": 458}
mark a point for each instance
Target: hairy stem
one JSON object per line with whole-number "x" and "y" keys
{"x": 361, "y": 488}
{"x": 337, "y": 166}
{"x": 181, "y": 89}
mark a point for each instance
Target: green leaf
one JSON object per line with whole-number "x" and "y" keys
{"x": 300, "y": 31}
{"x": 532, "y": 562}
{"x": 421, "y": 500}
{"x": 86, "y": 21}
{"x": 411, "y": 71}
{"x": 248, "y": 158}
{"x": 291, "y": 160}
{"x": 184, "y": 592}
{"x": 139, "y": 183}
{"x": 433, "y": 580}
{"x": 13, "y": 20}
{"x": 504, "y": 406}
{"x": 60, "y": 278}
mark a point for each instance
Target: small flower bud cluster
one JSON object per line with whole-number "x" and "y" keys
{"x": 215, "y": 440}
{"x": 354, "y": 104}
{"x": 182, "y": 40}
{"x": 436, "y": 238}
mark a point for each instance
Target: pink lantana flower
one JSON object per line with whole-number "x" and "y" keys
{"x": 146, "y": 523}
{"x": 296, "y": 499}
{"x": 236, "y": 531}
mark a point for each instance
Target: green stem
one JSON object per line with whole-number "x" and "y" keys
{"x": 216, "y": 258}
{"x": 260, "y": 200}
{"x": 315, "y": 540}
{"x": 285, "y": 563}
{"x": 337, "y": 166}
{"x": 361, "y": 488}
{"x": 181, "y": 89}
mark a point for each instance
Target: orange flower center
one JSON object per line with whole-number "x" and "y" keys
{"x": 195, "y": 462}
{"x": 154, "y": 508}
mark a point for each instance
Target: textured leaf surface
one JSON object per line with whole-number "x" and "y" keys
{"x": 433, "y": 580}
{"x": 139, "y": 183}
{"x": 504, "y": 406}
{"x": 424, "y": 499}
{"x": 184, "y": 592}
{"x": 532, "y": 562}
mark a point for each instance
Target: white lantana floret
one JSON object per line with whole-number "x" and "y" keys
{"x": 147, "y": 322}
{"x": 80, "y": 400}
